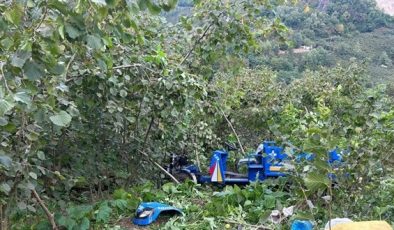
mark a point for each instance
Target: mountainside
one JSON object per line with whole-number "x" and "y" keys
{"x": 387, "y": 6}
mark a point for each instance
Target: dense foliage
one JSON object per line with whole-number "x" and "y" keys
{"x": 94, "y": 94}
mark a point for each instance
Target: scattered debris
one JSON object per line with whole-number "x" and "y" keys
{"x": 276, "y": 216}
{"x": 310, "y": 204}
{"x": 150, "y": 211}
{"x": 288, "y": 211}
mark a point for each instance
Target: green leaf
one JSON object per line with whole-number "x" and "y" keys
{"x": 152, "y": 7}
{"x": 7, "y": 43}
{"x": 61, "y": 31}
{"x": 94, "y": 42}
{"x": 169, "y": 5}
{"x": 5, "y": 106}
{"x": 120, "y": 204}
{"x": 123, "y": 93}
{"x": 99, "y": 2}
{"x": 72, "y": 32}
{"x": 41, "y": 155}
{"x": 19, "y": 58}
{"x": 14, "y": 15}
{"x": 103, "y": 213}
{"x": 67, "y": 222}
{"x": 120, "y": 194}
{"x": 80, "y": 211}
{"x": 5, "y": 188}
{"x": 61, "y": 119}
{"x": 22, "y": 97}
{"x": 73, "y": 111}
{"x": 315, "y": 181}
{"x": 33, "y": 71}
{"x": 6, "y": 161}
{"x": 21, "y": 205}
{"x": 269, "y": 202}
{"x": 85, "y": 224}
{"x": 169, "y": 188}
{"x": 57, "y": 69}
{"x": 3, "y": 121}
{"x": 33, "y": 175}
{"x": 247, "y": 203}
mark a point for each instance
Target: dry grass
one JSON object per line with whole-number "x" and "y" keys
{"x": 387, "y": 6}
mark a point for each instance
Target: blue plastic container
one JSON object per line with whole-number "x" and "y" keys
{"x": 302, "y": 225}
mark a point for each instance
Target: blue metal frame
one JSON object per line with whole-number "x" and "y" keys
{"x": 266, "y": 162}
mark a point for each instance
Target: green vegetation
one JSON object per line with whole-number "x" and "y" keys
{"x": 94, "y": 93}
{"x": 344, "y": 31}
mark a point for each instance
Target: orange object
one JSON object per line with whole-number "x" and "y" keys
{"x": 363, "y": 225}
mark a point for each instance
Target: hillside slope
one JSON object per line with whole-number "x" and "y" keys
{"x": 387, "y": 6}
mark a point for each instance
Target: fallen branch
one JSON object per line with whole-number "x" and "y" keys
{"x": 159, "y": 166}
{"x": 134, "y": 66}
{"x": 50, "y": 216}
{"x": 127, "y": 66}
{"x": 248, "y": 225}
{"x": 232, "y": 128}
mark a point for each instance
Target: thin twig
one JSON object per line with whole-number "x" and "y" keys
{"x": 135, "y": 65}
{"x": 198, "y": 41}
{"x": 3, "y": 76}
{"x": 195, "y": 44}
{"x": 47, "y": 212}
{"x": 68, "y": 65}
{"x": 232, "y": 128}
{"x": 128, "y": 66}
{"x": 42, "y": 19}
{"x": 249, "y": 225}
{"x": 147, "y": 132}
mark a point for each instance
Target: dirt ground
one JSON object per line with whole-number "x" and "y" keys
{"x": 387, "y": 6}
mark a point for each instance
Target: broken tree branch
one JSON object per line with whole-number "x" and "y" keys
{"x": 159, "y": 166}
{"x": 232, "y": 128}
{"x": 50, "y": 215}
{"x": 135, "y": 65}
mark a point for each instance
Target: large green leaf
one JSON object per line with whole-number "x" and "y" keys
{"x": 80, "y": 211}
{"x": 5, "y": 161}
{"x": 61, "y": 119}
{"x": 5, "y": 106}
{"x": 22, "y": 97}
{"x": 94, "y": 42}
{"x": 103, "y": 213}
{"x": 85, "y": 224}
{"x": 19, "y": 58}
{"x": 5, "y": 188}
{"x": 72, "y": 31}
{"x": 315, "y": 181}
{"x": 32, "y": 70}
{"x": 14, "y": 15}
